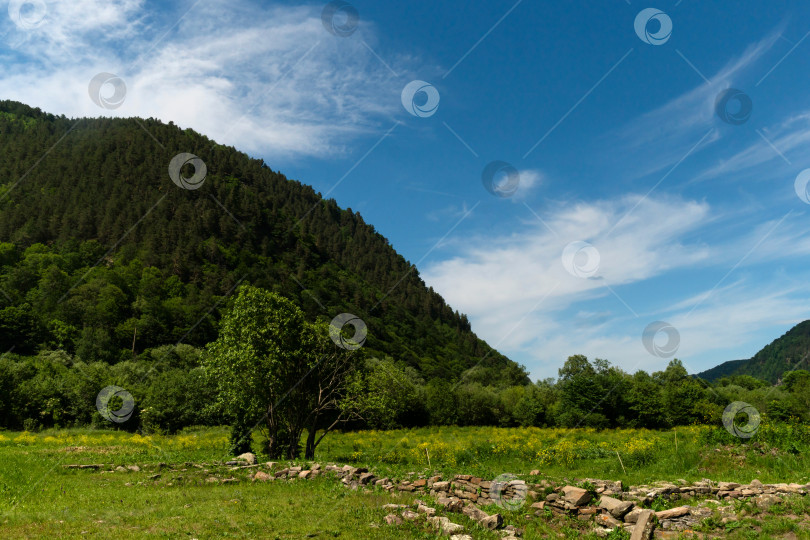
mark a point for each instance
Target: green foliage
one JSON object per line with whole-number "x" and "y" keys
{"x": 166, "y": 278}
{"x": 273, "y": 368}
{"x": 786, "y": 353}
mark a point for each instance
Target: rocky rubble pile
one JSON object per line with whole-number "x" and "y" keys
{"x": 622, "y": 509}
{"x": 608, "y": 504}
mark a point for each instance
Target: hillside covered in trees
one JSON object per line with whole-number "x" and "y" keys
{"x": 104, "y": 257}
{"x": 786, "y": 353}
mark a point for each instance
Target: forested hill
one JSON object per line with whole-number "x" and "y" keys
{"x": 99, "y": 246}
{"x": 786, "y": 353}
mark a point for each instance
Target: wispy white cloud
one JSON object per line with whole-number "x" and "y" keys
{"x": 660, "y": 138}
{"x": 776, "y": 144}
{"x": 520, "y": 297}
{"x": 499, "y": 280}
{"x": 268, "y": 80}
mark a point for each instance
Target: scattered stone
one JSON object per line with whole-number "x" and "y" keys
{"x": 393, "y": 519}
{"x": 446, "y": 526}
{"x": 640, "y": 529}
{"x": 451, "y": 504}
{"x": 576, "y": 496}
{"x": 248, "y": 457}
{"x": 765, "y": 501}
{"x": 617, "y": 508}
{"x": 474, "y": 513}
{"x": 365, "y": 478}
{"x": 427, "y": 510}
{"x": 409, "y": 515}
{"x": 607, "y": 521}
{"x": 672, "y": 513}
{"x": 261, "y": 476}
{"x": 495, "y": 521}
{"x": 133, "y": 468}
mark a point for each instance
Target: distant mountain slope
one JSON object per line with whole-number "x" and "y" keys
{"x": 789, "y": 352}
{"x": 74, "y": 193}
{"x": 723, "y": 370}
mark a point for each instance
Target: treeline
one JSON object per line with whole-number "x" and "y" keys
{"x": 171, "y": 391}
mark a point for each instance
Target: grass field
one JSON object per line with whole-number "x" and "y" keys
{"x": 40, "y": 497}
{"x": 777, "y": 454}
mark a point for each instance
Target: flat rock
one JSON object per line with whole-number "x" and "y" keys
{"x": 618, "y": 509}
{"x": 445, "y": 525}
{"x": 765, "y": 501}
{"x": 393, "y": 519}
{"x": 576, "y": 496}
{"x": 640, "y": 529}
{"x": 474, "y": 513}
{"x": 451, "y": 504}
{"x": 366, "y": 477}
{"x": 672, "y": 513}
{"x": 607, "y": 521}
{"x": 495, "y": 521}
{"x": 248, "y": 457}
{"x": 261, "y": 477}
{"x": 632, "y": 515}
{"x": 427, "y": 510}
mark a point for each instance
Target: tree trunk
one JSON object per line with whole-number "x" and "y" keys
{"x": 309, "y": 453}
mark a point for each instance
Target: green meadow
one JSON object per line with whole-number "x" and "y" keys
{"x": 173, "y": 495}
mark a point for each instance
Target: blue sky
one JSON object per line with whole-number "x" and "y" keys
{"x": 636, "y": 202}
